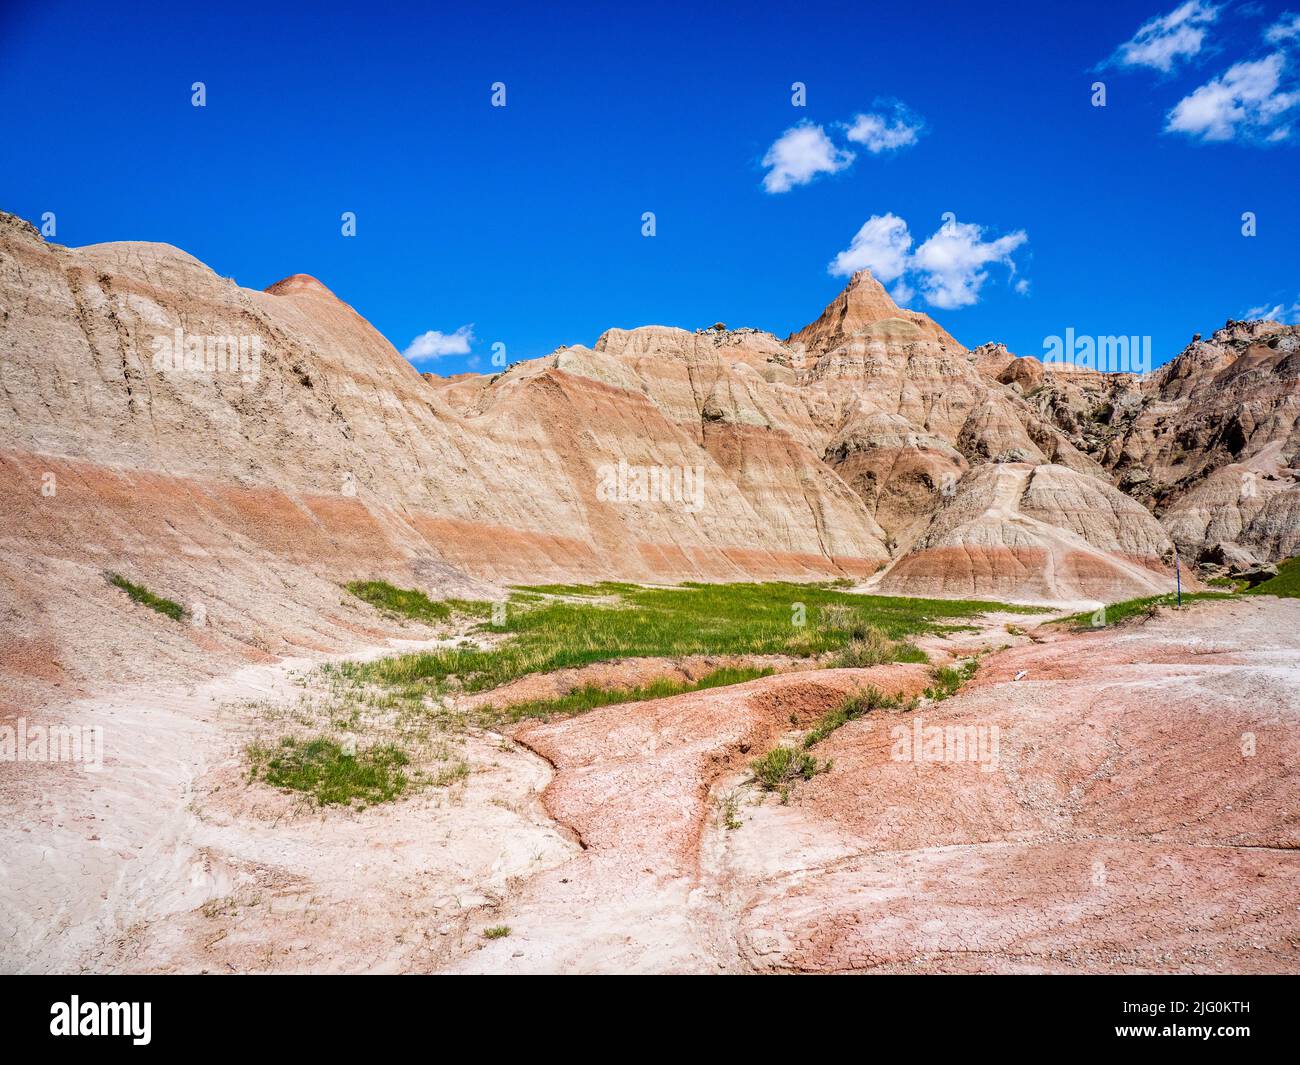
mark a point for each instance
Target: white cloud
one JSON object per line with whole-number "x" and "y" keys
{"x": 434, "y": 345}
{"x": 1279, "y": 312}
{"x": 881, "y": 246}
{"x": 1287, "y": 28}
{"x": 885, "y": 132}
{"x": 951, "y": 263}
{"x": 1162, "y": 41}
{"x": 949, "y": 269}
{"x": 1246, "y": 101}
{"x": 799, "y": 155}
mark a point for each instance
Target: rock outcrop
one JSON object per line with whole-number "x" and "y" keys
{"x": 1209, "y": 442}
{"x": 1042, "y": 533}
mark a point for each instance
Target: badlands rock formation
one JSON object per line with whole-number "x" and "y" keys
{"x": 1209, "y": 442}
{"x": 1035, "y": 532}
{"x": 869, "y": 440}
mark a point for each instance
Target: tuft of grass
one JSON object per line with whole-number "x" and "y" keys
{"x": 1131, "y": 608}
{"x": 145, "y": 597}
{"x": 871, "y": 648}
{"x": 853, "y": 707}
{"x": 413, "y": 603}
{"x": 781, "y": 766}
{"x": 588, "y": 697}
{"x": 497, "y": 931}
{"x": 321, "y": 769}
{"x": 949, "y": 679}
{"x": 1285, "y": 584}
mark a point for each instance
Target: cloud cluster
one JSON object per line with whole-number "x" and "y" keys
{"x": 799, "y": 155}
{"x": 435, "y": 345}
{"x": 949, "y": 268}
{"x": 804, "y": 151}
{"x": 1278, "y": 312}
{"x": 878, "y": 132}
{"x": 1162, "y": 42}
{"x": 1287, "y": 28}
{"x": 1247, "y": 102}
{"x": 1251, "y": 102}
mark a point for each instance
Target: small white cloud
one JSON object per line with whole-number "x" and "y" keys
{"x": 1163, "y": 41}
{"x": 1247, "y": 101}
{"x": 885, "y": 132}
{"x": 1287, "y": 28}
{"x": 881, "y": 246}
{"x": 434, "y": 345}
{"x": 1279, "y": 312}
{"x": 799, "y": 155}
{"x": 951, "y": 263}
{"x": 902, "y": 294}
{"x": 949, "y": 269}
{"x": 1022, "y": 287}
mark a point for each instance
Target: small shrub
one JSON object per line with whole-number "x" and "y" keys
{"x": 949, "y": 679}
{"x": 781, "y": 765}
{"x": 871, "y": 648}
{"x": 497, "y": 931}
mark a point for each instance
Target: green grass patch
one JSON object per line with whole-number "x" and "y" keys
{"x": 1132, "y": 608}
{"x": 589, "y": 697}
{"x": 320, "y": 768}
{"x": 545, "y": 633}
{"x": 413, "y": 603}
{"x": 497, "y": 931}
{"x": 1285, "y": 584}
{"x": 852, "y": 708}
{"x": 145, "y": 597}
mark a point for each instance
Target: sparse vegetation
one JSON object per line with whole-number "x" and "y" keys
{"x": 588, "y": 697}
{"x": 1285, "y": 584}
{"x": 322, "y": 769}
{"x": 1131, "y": 608}
{"x": 729, "y": 810}
{"x": 852, "y": 708}
{"x": 949, "y": 679}
{"x": 147, "y": 598}
{"x": 412, "y": 603}
{"x": 781, "y": 766}
{"x": 497, "y": 931}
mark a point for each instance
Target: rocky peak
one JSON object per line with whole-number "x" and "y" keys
{"x": 860, "y": 310}
{"x": 299, "y": 284}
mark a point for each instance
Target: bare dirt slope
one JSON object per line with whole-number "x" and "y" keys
{"x": 1140, "y": 814}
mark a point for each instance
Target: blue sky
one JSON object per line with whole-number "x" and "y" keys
{"x": 525, "y": 222}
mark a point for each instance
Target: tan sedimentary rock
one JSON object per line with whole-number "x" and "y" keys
{"x": 1038, "y": 533}
{"x": 1209, "y": 441}
{"x": 254, "y": 492}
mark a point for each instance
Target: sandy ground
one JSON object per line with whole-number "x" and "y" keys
{"x": 167, "y": 860}
{"x": 1142, "y": 814}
